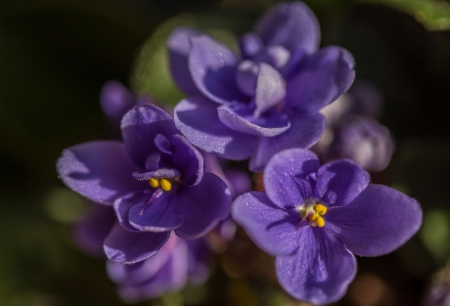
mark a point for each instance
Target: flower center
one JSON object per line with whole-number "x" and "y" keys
{"x": 313, "y": 213}
{"x": 164, "y": 183}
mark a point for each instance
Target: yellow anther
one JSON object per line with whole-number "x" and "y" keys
{"x": 154, "y": 182}
{"x": 320, "y": 209}
{"x": 166, "y": 185}
{"x": 317, "y": 220}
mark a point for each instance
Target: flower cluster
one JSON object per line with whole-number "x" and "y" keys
{"x": 162, "y": 186}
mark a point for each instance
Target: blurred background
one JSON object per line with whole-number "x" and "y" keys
{"x": 56, "y": 55}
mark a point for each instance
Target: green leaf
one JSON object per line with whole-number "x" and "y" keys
{"x": 433, "y": 14}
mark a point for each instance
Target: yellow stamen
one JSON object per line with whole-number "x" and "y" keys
{"x": 320, "y": 222}
{"x": 154, "y": 182}
{"x": 320, "y": 209}
{"x": 166, "y": 185}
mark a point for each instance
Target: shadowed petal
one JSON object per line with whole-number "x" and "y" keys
{"x": 179, "y": 46}
{"x": 139, "y": 129}
{"x": 202, "y": 206}
{"x": 213, "y": 69}
{"x": 99, "y": 170}
{"x": 122, "y": 209}
{"x": 303, "y": 133}
{"x": 188, "y": 160}
{"x": 198, "y": 121}
{"x": 285, "y": 174}
{"x": 116, "y": 100}
{"x": 158, "y": 216}
{"x": 322, "y": 78}
{"x": 130, "y": 247}
{"x": 273, "y": 229}
{"x": 340, "y": 181}
{"x": 320, "y": 271}
{"x": 269, "y": 125}
{"x": 291, "y": 25}
{"x": 378, "y": 221}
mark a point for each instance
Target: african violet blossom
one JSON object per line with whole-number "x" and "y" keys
{"x": 314, "y": 218}
{"x": 265, "y": 99}
{"x": 154, "y": 180}
{"x": 178, "y": 262}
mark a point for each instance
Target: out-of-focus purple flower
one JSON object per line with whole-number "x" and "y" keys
{"x": 264, "y": 100}
{"x": 116, "y": 100}
{"x": 154, "y": 180}
{"x": 178, "y": 262}
{"x": 352, "y": 132}
{"x": 314, "y": 218}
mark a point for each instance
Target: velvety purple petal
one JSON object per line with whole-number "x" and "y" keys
{"x": 179, "y": 46}
{"x": 99, "y": 170}
{"x": 116, "y": 100}
{"x": 320, "y": 271}
{"x": 152, "y": 161}
{"x": 130, "y": 247}
{"x": 163, "y": 144}
{"x": 246, "y": 77}
{"x": 272, "y": 229}
{"x": 160, "y": 173}
{"x": 202, "y": 206}
{"x": 198, "y": 121}
{"x": 122, "y": 209}
{"x": 156, "y": 214}
{"x": 213, "y": 69}
{"x": 91, "y": 231}
{"x": 304, "y": 132}
{"x": 378, "y": 221}
{"x": 322, "y": 78}
{"x": 266, "y": 126}
{"x": 283, "y": 174}
{"x": 291, "y": 25}
{"x": 140, "y": 127}
{"x": 187, "y": 159}
{"x": 250, "y": 45}
{"x": 270, "y": 89}
{"x": 340, "y": 181}
{"x": 142, "y": 271}
{"x": 238, "y": 181}
{"x": 171, "y": 276}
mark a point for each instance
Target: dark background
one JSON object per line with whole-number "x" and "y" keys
{"x": 56, "y": 55}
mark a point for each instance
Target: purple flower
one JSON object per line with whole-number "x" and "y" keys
{"x": 154, "y": 180}
{"x": 314, "y": 218}
{"x": 264, "y": 100}
{"x": 178, "y": 262}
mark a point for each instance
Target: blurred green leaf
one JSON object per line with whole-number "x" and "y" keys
{"x": 433, "y": 14}
{"x": 435, "y": 233}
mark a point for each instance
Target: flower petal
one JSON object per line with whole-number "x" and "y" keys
{"x": 139, "y": 129}
{"x": 291, "y": 25}
{"x": 213, "y": 69}
{"x": 269, "y": 125}
{"x": 130, "y": 247}
{"x": 179, "y": 46}
{"x": 187, "y": 159}
{"x": 122, "y": 209}
{"x": 340, "y": 181}
{"x": 158, "y": 216}
{"x": 99, "y": 170}
{"x": 116, "y": 100}
{"x": 285, "y": 174}
{"x": 160, "y": 173}
{"x": 270, "y": 89}
{"x": 304, "y": 132}
{"x": 163, "y": 144}
{"x": 272, "y": 229}
{"x": 322, "y": 78}
{"x": 378, "y": 221}
{"x": 198, "y": 121}
{"x": 320, "y": 271}
{"x": 202, "y": 206}
{"x": 250, "y": 45}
